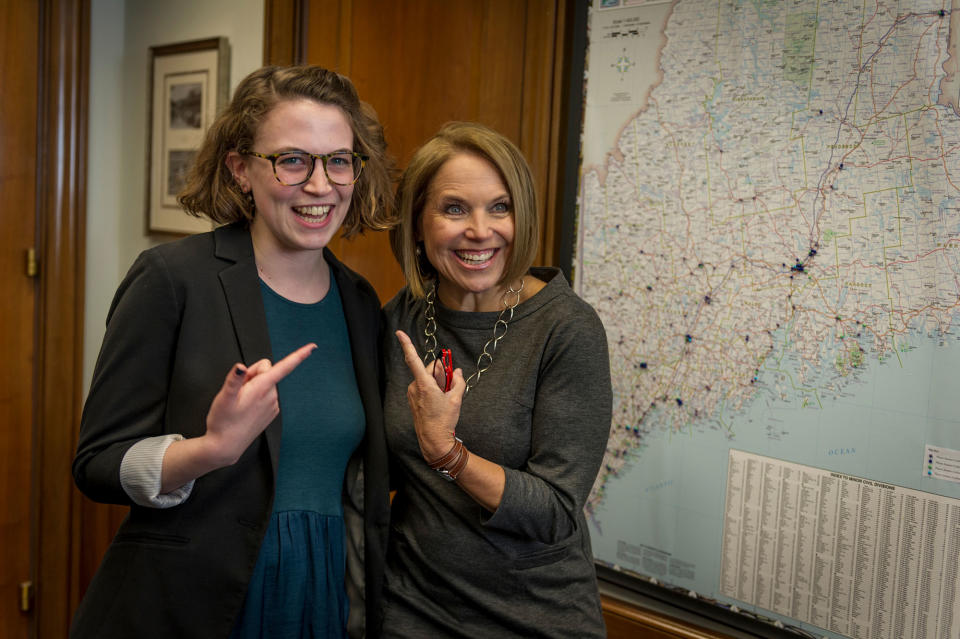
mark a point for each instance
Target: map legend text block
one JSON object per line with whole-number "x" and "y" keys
{"x": 941, "y": 463}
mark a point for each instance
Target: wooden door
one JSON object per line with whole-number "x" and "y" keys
{"x": 422, "y": 63}
{"x": 43, "y": 64}
{"x": 18, "y": 171}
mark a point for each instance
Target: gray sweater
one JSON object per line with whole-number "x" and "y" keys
{"x": 542, "y": 411}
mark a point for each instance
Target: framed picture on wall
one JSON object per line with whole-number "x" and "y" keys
{"x": 189, "y": 82}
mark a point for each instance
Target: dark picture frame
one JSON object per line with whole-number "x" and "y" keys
{"x": 188, "y": 84}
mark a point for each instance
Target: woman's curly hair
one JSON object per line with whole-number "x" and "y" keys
{"x": 211, "y": 190}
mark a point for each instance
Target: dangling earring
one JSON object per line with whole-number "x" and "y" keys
{"x": 421, "y": 260}
{"x": 251, "y": 202}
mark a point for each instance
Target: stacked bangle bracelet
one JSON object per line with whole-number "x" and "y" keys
{"x": 452, "y": 464}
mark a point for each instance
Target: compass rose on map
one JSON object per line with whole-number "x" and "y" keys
{"x": 623, "y": 64}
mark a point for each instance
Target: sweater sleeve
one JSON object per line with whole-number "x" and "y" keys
{"x": 128, "y": 393}
{"x": 569, "y": 431}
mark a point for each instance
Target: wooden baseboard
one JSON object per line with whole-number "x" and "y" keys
{"x": 627, "y": 621}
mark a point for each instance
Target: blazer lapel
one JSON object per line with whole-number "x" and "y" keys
{"x": 363, "y": 334}
{"x": 363, "y": 325}
{"x": 241, "y": 287}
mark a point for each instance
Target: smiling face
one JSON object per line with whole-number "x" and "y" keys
{"x": 304, "y": 217}
{"x": 467, "y": 231}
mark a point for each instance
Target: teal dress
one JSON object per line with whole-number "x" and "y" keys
{"x": 297, "y": 588}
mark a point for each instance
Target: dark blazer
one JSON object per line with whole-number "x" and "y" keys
{"x": 183, "y": 315}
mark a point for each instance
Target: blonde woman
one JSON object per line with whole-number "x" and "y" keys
{"x": 488, "y": 535}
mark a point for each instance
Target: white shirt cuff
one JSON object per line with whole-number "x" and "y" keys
{"x": 140, "y": 472}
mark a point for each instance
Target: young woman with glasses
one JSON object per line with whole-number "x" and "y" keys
{"x": 235, "y": 404}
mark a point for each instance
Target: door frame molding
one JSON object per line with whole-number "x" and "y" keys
{"x": 284, "y": 25}
{"x": 61, "y": 237}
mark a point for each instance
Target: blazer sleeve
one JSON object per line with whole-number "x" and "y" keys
{"x": 128, "y": 393}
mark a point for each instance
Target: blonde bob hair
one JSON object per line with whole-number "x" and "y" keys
{"x": 454, "y": 139}
{"x": 211, "y": 189}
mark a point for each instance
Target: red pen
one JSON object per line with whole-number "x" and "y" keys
{"x": 446, "y": 360}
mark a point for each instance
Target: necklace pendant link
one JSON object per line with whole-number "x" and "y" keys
{"x": 511, "y": 299}
{"x": 500, "y": 326}
{"x": 430, "y": 330}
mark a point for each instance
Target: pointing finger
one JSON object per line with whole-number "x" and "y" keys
{"x": 286, "y": 365}
{"x": 411, "y": 358}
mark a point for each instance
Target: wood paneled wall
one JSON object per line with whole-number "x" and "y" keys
{"x": 422, "y": 63}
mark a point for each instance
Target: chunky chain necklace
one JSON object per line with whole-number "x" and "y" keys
{"x": 510, "y": 300}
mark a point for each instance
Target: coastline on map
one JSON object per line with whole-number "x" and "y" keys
{"x": 950, "y": 84}
{"x": 596, "y": 155}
